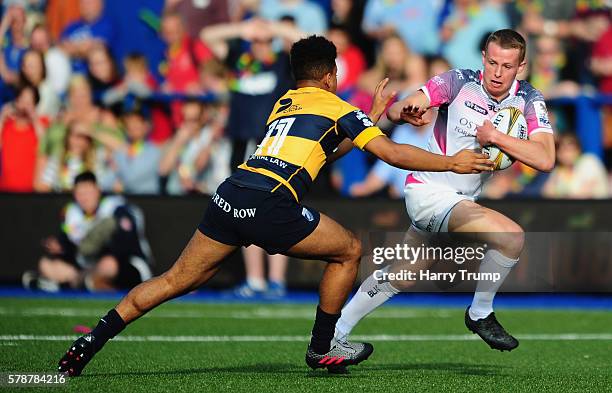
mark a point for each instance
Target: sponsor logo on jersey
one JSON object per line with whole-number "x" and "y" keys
{"x": 476, "y": 107}
{"x": 541, "y": 113}
{"x": 438, "y": 80}
{"x": 287, "y": 106}
{"x": 459, "y": 73}
{"x": 466, "y": 127}
{"x": 364, "y": 118}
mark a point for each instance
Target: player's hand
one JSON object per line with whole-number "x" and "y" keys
{"x": 486, "y": 133}
{"x": 412, "y": 112}
{"x": 470, "y": 161}
{"x": 380, "y": 100}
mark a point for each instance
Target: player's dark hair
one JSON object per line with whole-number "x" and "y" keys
{"x": 85, "y": 177}
{"x": 312, "y": 58}
{"x": 508, "y": 39}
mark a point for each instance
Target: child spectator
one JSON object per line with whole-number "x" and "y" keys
{"x": 139, "y": 83}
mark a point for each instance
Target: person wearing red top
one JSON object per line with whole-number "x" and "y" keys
{"x": 601, "y": 65}
{"x": 183, "y": 55}
{"x": 601, "y": 61}
{"x": 183, "y": 58}
{"x": 20, "y": 128}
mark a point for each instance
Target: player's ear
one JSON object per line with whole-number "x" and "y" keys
{"x": 484, "y": 55}
{"x": 521, "y": 67}
{"x": 328, "y": 81}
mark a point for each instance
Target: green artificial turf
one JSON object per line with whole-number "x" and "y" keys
{"x": 415, "y": 362}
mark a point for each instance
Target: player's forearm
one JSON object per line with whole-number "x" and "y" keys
{"x": 413, "y": 158}
{"x": 416, "y": 99}
{"x": 343, "y": 148}
{"x": 535, "y": 154}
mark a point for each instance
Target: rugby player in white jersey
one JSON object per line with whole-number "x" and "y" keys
{"x": 445, "y": 201}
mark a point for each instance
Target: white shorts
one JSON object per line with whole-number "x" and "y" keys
{"x": 429, "y": 206}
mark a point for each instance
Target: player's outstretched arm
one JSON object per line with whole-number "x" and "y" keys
{"x": 410, "y": 110}
{"x": 380, "y": 100}
{"x": 412, "y": 158}
{"x": 537, "y": 152}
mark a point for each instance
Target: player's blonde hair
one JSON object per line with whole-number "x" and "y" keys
{"x": 508, "y": 39}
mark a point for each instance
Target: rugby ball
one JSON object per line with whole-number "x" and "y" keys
{"x": 511, "y": 122}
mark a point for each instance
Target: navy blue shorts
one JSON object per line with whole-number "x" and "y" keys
{"x": 241, "y": 216}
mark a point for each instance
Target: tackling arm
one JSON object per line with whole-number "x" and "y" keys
{"x": 413, "y": 158}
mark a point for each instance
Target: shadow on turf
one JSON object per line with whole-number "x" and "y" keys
{"x": 282, "y": 368}
{"x": 457, "y": 368}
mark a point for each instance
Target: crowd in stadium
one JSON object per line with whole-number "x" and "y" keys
{"x": 165, "y": 97}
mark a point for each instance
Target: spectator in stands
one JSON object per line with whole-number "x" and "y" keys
{"x": 406, "y": 70}
{"x": 348, "y": 14}
{"x": 214, "y": 79}
{"x": 308, "y": 16}
{"x": 384, "y": 175}
{"x": 183, "y": 56}
{"x": 258, "y": 76}
{"x": 101, "y": 245}
{"x": 102, "y": 71}
{"x": 13, "y": 22}
{"x": 199, "y": 14}
{"x": 33, "y": 71}
{"x": 256, "y": 285}
{"x": 601, "y": 66}
{"x": 60, "y": 14}
{"x": 546, "y": 69}
{"x": 80, "y": 37}
{"x": 79, "y": 154}
{"x": 464, "y": 28}
{"x": 350, "y": 61}
{"x": 188, "y": 160}
{"x": 20, "y": 129}
{"x": 577, "y": 175}
{"x": 136, "y": 159}
{"x": 139, "y": 83}
{"x": 415, "y": 21}
{"x": 57, "y": 64}
{"x": 81, "y": 109}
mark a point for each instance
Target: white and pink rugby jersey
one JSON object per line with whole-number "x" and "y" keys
{"x": 463, "y": 105}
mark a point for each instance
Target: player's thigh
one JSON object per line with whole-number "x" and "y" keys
{"x": 486, "y": 225}
{"x": 330, "y": 242}
{"x": 199, "y": 260}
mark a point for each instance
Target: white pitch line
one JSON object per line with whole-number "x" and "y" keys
{"x": 375, "y": 337}
{"x": 255, "y": 313}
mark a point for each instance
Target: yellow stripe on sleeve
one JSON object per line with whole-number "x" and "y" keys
{"x": 366, "y": 135}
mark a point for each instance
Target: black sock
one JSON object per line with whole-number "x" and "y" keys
{"x": 109, "y": 326}
{"x": 323, "y": 331}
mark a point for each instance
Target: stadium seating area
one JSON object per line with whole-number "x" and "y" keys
{"x": 165, "y": 97}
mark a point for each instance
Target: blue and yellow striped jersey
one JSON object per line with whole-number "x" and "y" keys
{"x": 306, "y": 125}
